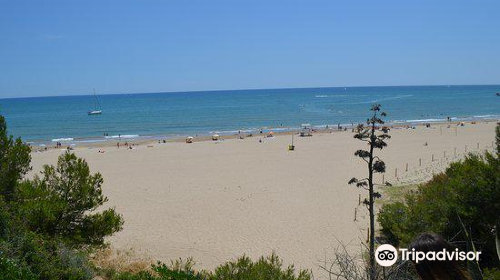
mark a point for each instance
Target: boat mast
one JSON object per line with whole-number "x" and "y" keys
{"x": 96, "y": 101}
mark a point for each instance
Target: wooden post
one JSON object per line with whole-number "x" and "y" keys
{"x": 466, "y": 148}
{"x": 355, "y": 213}
{"x": 396, "y": 173}
{"x": 432, "y": 157}
{"x": 406, "y": 167}
{"x": 455, "y": 152}
{"x": 478, "y": 145}
{"x": 444, "y": 154}
{"x": 359, "y": 200}
{"x": 383, "y": 179}
{"x": 419, "y": 162}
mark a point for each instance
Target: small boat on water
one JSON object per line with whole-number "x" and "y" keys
{"x": 97, "y": 107}
{"x": 498, "y": 93}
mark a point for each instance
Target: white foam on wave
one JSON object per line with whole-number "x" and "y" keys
{"x": 486, "y": 116}
{"x": 332, "y": 95}
{"x": 426, "y": 120}
{"x": 90, "y": 141}
{"x": 62, "y": 139}
{"x": 126, "y": 136}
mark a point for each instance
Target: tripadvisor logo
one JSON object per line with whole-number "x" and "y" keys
{"x": 387, "y": 255}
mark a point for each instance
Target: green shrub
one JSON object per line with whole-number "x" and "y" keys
{"x": 62, "y": 203}
{"x": 469, "y": 189}
{"x": 10, "y": 270}
{"x": 45, "y": 258}
{"x": 270, "y": 268}
{"x": 491, "y": 274}
{"x": 15, "y": 161}
{"x": 45, "y": 222}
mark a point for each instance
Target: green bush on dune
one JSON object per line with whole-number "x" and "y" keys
{"x": 46, "y": 223}
{"x": 270, "y": 268}
{"x": 61, "y": 203}
{"x": 465, "y": 199}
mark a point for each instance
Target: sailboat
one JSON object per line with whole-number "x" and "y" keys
{"x": 97, "y": 107}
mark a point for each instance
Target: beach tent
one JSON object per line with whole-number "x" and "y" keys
{"x": 189, "y": 139}
{"x": 215, "y": 137}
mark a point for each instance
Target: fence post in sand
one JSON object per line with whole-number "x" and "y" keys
{"x": 383, "y": 179}
{"x": 478, "y": 145}
{"x": 359, "y": 199}
{"x": 466, "y": 148}
{"x": 355, "y": 213}
{"x": 432, "y": 157}
{"x": 406, "y": 167}
{"x": 455, "y": 152}
{"x": 419, "y": 162}
{"x": 444, "y": 154}
{"x": 396, "y": 173}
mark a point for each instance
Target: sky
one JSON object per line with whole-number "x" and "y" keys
{"x": 128, "y": 46}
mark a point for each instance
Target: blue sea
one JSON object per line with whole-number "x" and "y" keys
{"x": 161, "y": 115}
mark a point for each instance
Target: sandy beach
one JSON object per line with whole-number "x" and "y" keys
{"x": 215, "y": 201}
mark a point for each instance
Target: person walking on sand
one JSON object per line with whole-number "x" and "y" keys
{"x": 436, "y": 269}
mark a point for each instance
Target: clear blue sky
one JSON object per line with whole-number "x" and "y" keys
{"x": 70, "y": 47}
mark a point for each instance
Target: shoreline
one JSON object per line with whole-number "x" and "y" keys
{"x": 137, "y": 140}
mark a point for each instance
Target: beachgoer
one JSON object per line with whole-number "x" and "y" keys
{"x": 436, "y": 269}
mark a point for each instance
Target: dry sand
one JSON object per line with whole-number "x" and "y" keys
{"x": 215, "y": 201}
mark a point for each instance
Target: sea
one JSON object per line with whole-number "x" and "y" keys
{"x": 177, "y": 114}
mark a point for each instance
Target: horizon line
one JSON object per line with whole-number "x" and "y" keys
{"x": 245, "y": 89}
